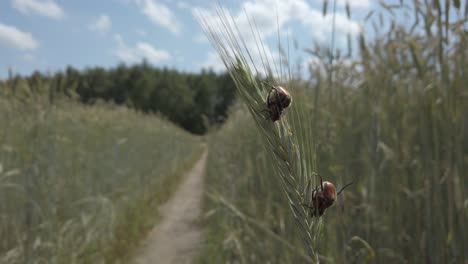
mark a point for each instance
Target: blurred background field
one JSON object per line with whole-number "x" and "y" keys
{"x": 394, "y": 121}
{"x": 81, "y": 184}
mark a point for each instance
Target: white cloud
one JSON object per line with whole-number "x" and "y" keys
{"x": 15, "y": 38}
{"x": 123, "y": 52}
{"x": 355, "y": 3}
{"x": 160, "y": 14}
{"x": 46, "y": 8}
{"x": 142, "y": 50}
{"x": 102, "y": 24}
{"x": 149, "y": 52}
{"x": 263, "y": 17}
{"x": 214, "y": 62}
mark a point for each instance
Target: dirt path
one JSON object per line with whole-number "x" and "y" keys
{"x": 177, "y": 237}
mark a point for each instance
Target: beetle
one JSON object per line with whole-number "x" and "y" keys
{"x": 278, "y": 99}
{"x": 323, "y": 196}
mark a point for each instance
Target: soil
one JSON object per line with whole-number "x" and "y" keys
{"x": 177, "y": 238}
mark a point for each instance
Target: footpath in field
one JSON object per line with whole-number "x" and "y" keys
{"x": 177, "y": 238}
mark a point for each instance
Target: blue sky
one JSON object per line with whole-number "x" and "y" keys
{"x": 48, "y": 35}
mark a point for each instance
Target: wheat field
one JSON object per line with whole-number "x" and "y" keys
{"x": 393, "y": 120}
{"x": 81, "y": 184}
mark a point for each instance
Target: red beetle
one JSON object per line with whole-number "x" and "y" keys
{"x": 278, "y": 99}
{"x": 323, "y": 196}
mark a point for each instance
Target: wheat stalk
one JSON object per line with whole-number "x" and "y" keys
{"x": 289, "y": 139}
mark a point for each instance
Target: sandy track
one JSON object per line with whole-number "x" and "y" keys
{"x": 177, "y": 237}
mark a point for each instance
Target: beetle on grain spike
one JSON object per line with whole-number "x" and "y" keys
{"x": 278, "y": 99}
{"x": 323, "y": 196}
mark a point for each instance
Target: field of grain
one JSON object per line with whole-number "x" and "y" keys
{"x": 82, "y": 178}
{"x": 81, "y": 184}
{"x": 393, "y": 121}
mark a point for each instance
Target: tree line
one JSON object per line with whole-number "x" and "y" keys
{"x": 192, "y": 100}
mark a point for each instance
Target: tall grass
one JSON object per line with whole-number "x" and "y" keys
{"x": 394, "y": 121}
{"x": 77, "y": 183}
